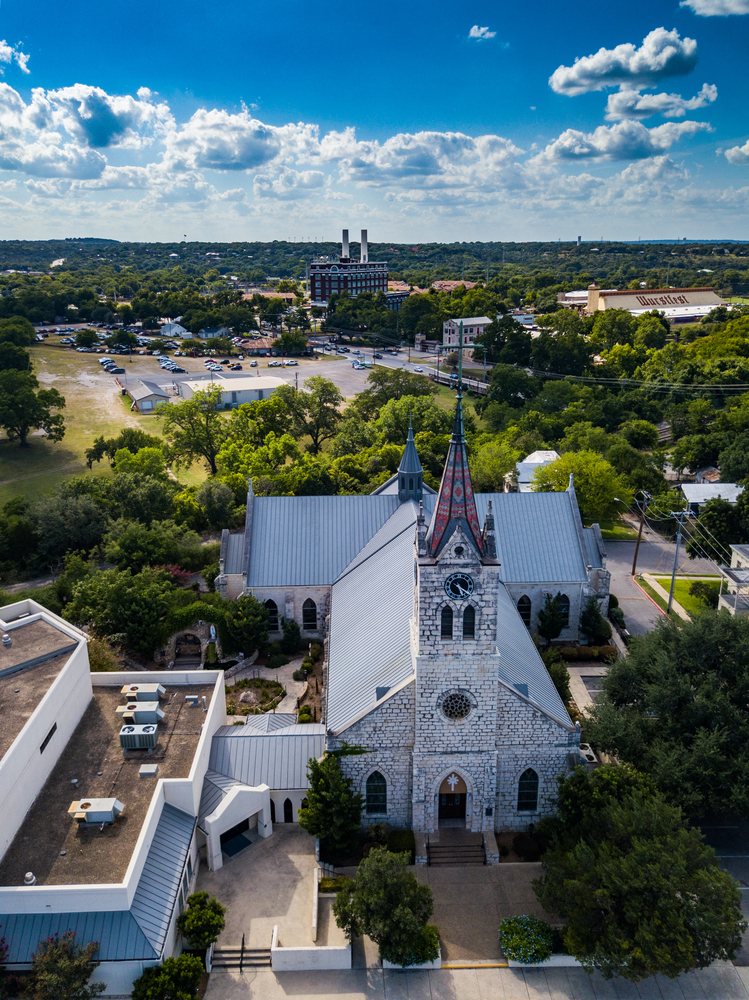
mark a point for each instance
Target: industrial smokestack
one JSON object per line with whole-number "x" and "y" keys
{"x": 364, "y": 249}
{"x": 344, "y": 243}
{"x": 579, "y": 238}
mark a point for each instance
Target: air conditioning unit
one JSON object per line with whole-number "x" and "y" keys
{"x": 140, "y": 712}
{"x": 143, "y": 692}
{"x": 139, "y": 737}
{"x": 95, "y": 811}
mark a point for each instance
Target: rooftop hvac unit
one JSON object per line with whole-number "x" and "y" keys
{"x": 140, "y": 712}
{"x": 95, "y": 811}
{"x": 143, "y": 692}
{"x": 139, "y": 737}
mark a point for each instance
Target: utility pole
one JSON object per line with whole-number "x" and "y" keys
{"x": 680, "y": 514}
{"x": 643, "y": 508}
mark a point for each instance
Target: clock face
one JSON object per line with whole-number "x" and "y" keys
{"x": 459, "y": 586}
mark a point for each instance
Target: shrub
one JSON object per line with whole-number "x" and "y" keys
{"x": 569, "y": 652}
{"x": 531, "y": 844}
{"x": 592, "y": 622}
{"x": 613, "y": 601}
{"x": 316, "y": 651}
{"x": 292, "y": 636}
{"x": 202, "y": 921}
{"x": 176, "y": 979}
{"x": 525, "y": 939}
{"x": 504, "y": 850}
{"x": 298, "y": 675}
{"x": 334, "y": 884}
{"x": 400, "y": 841}
{"x": 305, "y": 710}
{"x": 608, "y": 653}
{"x": 277, "y": 660}
{"x": 307, "y": 664}
{"x": 617, "y": 617}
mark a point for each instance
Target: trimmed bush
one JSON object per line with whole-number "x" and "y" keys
{"x": 298, "y": 675}
{"x": 399, "y": 841}
{"x": 334, "y": 884}
{"x": 569, "y": 652}
{"x": 316, "y": 651}
{"x": 525, "y": 939}
{"x": 613, "y": 601}
{"x": 277, "y": 660}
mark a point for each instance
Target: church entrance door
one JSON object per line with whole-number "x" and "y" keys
{"x": 452, "y": 801}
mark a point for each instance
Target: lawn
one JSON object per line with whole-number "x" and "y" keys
{"x": 681, "y": 593}
{"x": 95, "y": 406}
{"x": 617, "y": 531}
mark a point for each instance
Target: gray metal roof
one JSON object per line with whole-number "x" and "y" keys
{"x": 308, "y": 541}
{"x": 592, "y": 548}
{"x": 160, "y": 879}
{"x": 702, "y": 492}
{"x": 269, "y": 721}
{"x": 276, "y": 759}
{"x": 520, "y": 662}
{"x": 215, "y": 787}
{"x": 390, "y": 486}
{"x": 410, "y": 461}
{"x": 362, "y": 658}
{"x": 234, "y": 560}
{"x": 119, "y": 936}
{"x": 142, "y": 389}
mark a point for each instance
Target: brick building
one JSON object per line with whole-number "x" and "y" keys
{"x": 328, "y": 277}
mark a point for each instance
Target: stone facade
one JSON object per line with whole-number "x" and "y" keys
{"x": 290, "y": 604}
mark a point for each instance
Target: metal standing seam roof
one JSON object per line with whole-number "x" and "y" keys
{"x": 161, "y": 877}
{"x": 119, "y": 937}
{"x": 278, "y": 759}
{"x": 215, "y": 787}
{"x": 702, "y": 492}
{"x": 122, "y": 935}
{"x": 308, "y": 541}
{"x": 269, "y": 721}
{"x": 234, "y": 561}
{"x": 142, "y": 389}
{"x": 361, "y": 658}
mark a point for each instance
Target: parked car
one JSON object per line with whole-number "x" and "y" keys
{"x": 275, "y": 364}
{"x": 235, "y": 368}
{"x": 177, "y": 370}
{"x": 253, "y": 364}
{"x": 376, "y": 355}
{"x": 418, "y": 368}
{"x": 290, "y": 362}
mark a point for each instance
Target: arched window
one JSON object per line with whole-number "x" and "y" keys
{"x": 528, "y": 791}
{"x": 564, "y": 606}
{"x": 447, "y": 623}
{"x": 309, "y": 615}
{"x": 524, "y": 609}
{"x": 272, "y": 609}
{"x": 272, "y": 811}
{"x": 288, "y": 811}
{"x": 469, "y": 622}
{"x": 377, "y": 793}
{"x": 410, "y": 483}
{"x": 403, "y": 482}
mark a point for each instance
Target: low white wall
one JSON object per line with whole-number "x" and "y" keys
{"x": 307, "y": 959}
{"x": 295, "y": 796}
{"x": 555, "y": 962}
{"x": 119, "y": 976}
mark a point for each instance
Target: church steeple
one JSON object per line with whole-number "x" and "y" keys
{"x": 456, "y": 503}
{"x": 410, "y": 472}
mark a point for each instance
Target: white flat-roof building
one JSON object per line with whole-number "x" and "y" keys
{"x": 472, "y": 327}
{"x": 697, "y": 494}
{"x": 237, "y": 390}
{"x": 521, "y": 481}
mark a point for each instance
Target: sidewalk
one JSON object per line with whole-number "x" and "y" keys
{"x": 720, "y": 982}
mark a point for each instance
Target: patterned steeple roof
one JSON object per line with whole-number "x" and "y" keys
{"x": 456, "y": 501}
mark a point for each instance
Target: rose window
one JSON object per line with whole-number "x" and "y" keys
{"x": 456, "y": 705}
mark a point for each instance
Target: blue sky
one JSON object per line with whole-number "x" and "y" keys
{"x": 421, "y": 121}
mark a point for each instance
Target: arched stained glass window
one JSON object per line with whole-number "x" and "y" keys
{"x": 272, "y": 609}
{"x": 469, "y": 622}
{"x": 446, "y": 623}
{"x": 528, "y": 791}
{"x": 309, "y": 615}
{"x": 564, "y": 607}
{"x": 524, "y": 609}
{"x": 377, "y": 793}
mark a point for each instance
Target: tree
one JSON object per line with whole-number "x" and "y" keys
{"x": 593, "y": 624}
{"x": 66, "y": 521}
{"x": 613, "y": 326}
{"x": 291, "y": 342}
{"x": 25, "y": 407}
{"x": 706, "y": 593}
{"x": 551, "y": 620}
{"x": 320, "y": 402}
{"x": 247, "y": 623}
{"x": 146, "y": 462}
{"x": 17, "y": 330}
{"x": 333, "y": 811}
{"x": 557, "y": 670}
{"x": 720, "y": 524}
{"x": 203, "y": 920}
{"x": 640, "y": 434}
{"x": 565, "y": 353}
{"x": 506, "y": 341}
{"x": 195, "y": 428}
{"x": 134, "y": 545}
{"x": 61, "y": 969}
{"x": 641, "y": 893}
{"x": 676, "y": 707}
{"x": 419, "y": 411}
{"x": 490, "y": 464}
{"x": 174, "y": 979}
{"x": 122, "y": 338}
{"x": 140, "y": 497}
{"x": 391, "y": 383}
{"x": 86, "y": 338}
{"x": 733, "y": 461}
{"x": 292, "y": 636}
{"x": 510, "y": 385}
{"x": 386, "y": 902}
{"x": 598, "y": 486}
{"x": 12, "y": 356}
{"x": 217, "y": 501}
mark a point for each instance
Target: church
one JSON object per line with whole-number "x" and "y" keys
{"x": 427, "y": 603}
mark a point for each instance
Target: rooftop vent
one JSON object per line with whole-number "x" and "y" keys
{"x": 95, "y": 811}
{"x": 29, "y": 878}
{"x": 7, "y": 639}
{"x": 140, "y": 712}
{"x": 139, "y": 737}
{"x": 143, "y": 692}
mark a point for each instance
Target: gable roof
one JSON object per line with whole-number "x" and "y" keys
{"x": 142, "y": 389}
{"x": 278, "y": 759}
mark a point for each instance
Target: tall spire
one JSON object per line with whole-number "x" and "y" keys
{"x": 456, "y": 502}
{"x": 410, "y": 472}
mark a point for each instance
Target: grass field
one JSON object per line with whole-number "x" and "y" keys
{"x": 94, "y": 406}
{"x": 681, "y": 593}
{"x": 617, "y": 531}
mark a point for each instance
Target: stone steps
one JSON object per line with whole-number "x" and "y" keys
{"x": 230, "y": 958}
{"x": 455, "y": 854}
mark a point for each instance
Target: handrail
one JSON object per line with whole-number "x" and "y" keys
{"x": 241, "y": 954}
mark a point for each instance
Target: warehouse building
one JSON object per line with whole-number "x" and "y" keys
{"x": 678, "y": 305}
{"x": 235, "y": 391}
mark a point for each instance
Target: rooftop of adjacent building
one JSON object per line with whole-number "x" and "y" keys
{"x": 58, "y": 850}
{"x": 28, "y": 667}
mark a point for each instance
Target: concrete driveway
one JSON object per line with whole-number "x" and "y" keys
{"x": 269, "y": 883}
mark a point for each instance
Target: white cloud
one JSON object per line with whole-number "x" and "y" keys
{"x": 738, "y": 155}
{"x": 98, "y": 119}
{"x": 481, "y": 34}
{"x": 633, "y": 104}
{"x": 663, "y": 54}
{"x": 629, "y": 140}
{"x": 717, "y": 8}
{"x": 288, "y": 184}
{"x": 12, "y": 53}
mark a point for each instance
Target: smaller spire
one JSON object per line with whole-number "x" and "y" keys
{"x": 410, "y": 472}
{"x": 410, "y": 462}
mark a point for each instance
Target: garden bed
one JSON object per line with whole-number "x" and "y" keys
{"x": 253, "y": 696}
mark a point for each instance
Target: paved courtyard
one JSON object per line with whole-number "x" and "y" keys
{"x": 721, "y": 982}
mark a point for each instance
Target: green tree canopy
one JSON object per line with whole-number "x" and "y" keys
{"x": 676, "y": 708}
{"x": 333, "y": 811}
{"x": 551, "y": 620}
{"x": 386, "y": 902}
{"x": 510, "y": 385}
{"x": 319, "y": 412}
{"x": 174, "y": 979}
{"x": 61, "y": 970}
{"x": 247, "y": 623}
{"x": 598, "y": 486}
{"x": 506, "y": 341}
{"x": 640, "y": 892}
{"x": 12, "y": 356}
{"x": 217, "y": 501}
{"x": 86, "y": 338}
{"x": 195, "y": 428}
{"x": 25, "y": 407}
{"x": 146, "y": 462}
{"x": 203, "y": 920}
{"x": 17, "y": 330}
